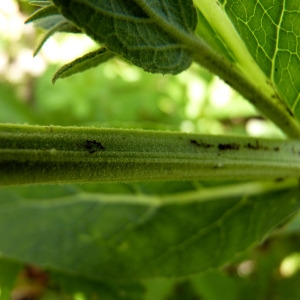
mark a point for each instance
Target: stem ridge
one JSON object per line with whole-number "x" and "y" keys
{"x": 37, "y": 154}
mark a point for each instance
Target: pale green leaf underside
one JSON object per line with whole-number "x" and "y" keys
{"x": 43, "y": 12}
{"x": 137, "y": 235}
{"x": 60, "y": 26}
{"x": 211, "y": 36}
{"x": 125, "y": 29}
{"x": 271, "y": 31}
{"x": 48, "y": 17}
{"x": 40, "y": 3}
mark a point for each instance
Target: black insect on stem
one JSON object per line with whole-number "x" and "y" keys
{"x": 201, "y": 144}
{"x": 93, "y": 146}
{"x": 231, "y": 146}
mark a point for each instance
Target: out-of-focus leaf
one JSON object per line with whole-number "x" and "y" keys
{"x": 89, "y": 288}
{"x": 95, "y": 105}
{"x": 39, "y": 2}
{"x": 256, "y": 274}
{"x": 48, "y": 17}
{"x": 293, "y": 226}
{"x": 138, "y": 235}
{"x": 61, "y": 26}
{"x": 9, "y": 270}
{"x": 87, "y": 61}
{"x": 43, "y": 12}
{"x": 12, "y": 110}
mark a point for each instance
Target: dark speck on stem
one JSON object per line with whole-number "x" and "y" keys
{"x": 201, "y": 144}
{"x": 93, "y": 146}
{"x": 231, "y": 146}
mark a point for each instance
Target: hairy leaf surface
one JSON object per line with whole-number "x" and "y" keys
{"x": 124, "y": 28}
{"x": 87, "y": 61}
{"x": 137, "y": 235}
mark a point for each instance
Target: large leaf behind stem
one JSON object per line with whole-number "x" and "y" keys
{"x": 271, "y": 31}
{"x": 137, "y": 235}
{"x": 262, "y": 37}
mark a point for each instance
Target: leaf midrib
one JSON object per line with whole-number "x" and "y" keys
{"x": 183, "y": 198}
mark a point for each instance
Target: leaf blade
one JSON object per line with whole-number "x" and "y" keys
{"x": 87, "y": 61}
{"x": 43, "y": 12}
{"x": 271, "y": 34}
{"x": 125, "y": 29}
{"x": 137, "y": 235}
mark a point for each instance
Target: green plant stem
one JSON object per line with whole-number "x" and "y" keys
{"x": 269, "y": 105}
{"x": 36, "y": 154}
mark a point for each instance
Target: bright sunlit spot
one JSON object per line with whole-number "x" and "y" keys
{"x": 220, "y": 94}
{"x": 8, "y": 7}
{"x": 66, "y": 47}
{"x": 262, "y": 128}
{"x": 11, "y": 22}
{"x": 130, "y": 74}
{"x": 195, "y": 94}
{"x": 55, "y": 50}
{"x": 246, "y": 268}
{"x": 79, "y": 296}
{"x": 290, "y": 265}
{"x": 25, "y": 63}
{"x": 187, "y": 126}
{"x": 166, "y": 105}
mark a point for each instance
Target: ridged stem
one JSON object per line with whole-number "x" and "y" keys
{"x": 52, "y": 154}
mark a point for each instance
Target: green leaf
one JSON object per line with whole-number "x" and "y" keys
{"x": 293, "y": 226}
{"x": 87, "y": 61}
{"x": 257, "y": 35}
{"x": 125, "y": 28}
{"x": 43, "y": 12}
{"x": 61, "y": 26}
{"x": 9, "y": 271}
{"x": 53, "y": 21}
{"x": 95, "y": 289}
{"x": 272, "y": 35}
{"x": 136, "y": 235}
{"x": 211, "y": 36}
{"x": 49, "y": 18}
{"x": 39, "y": 2}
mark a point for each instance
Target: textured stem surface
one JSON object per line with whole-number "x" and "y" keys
{"x": 52, "y": 154}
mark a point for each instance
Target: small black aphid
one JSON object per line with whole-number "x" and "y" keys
{"x": 93, "y": 146}
{"x": 232, "y": 146}
{"x": 201, "y": 144}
